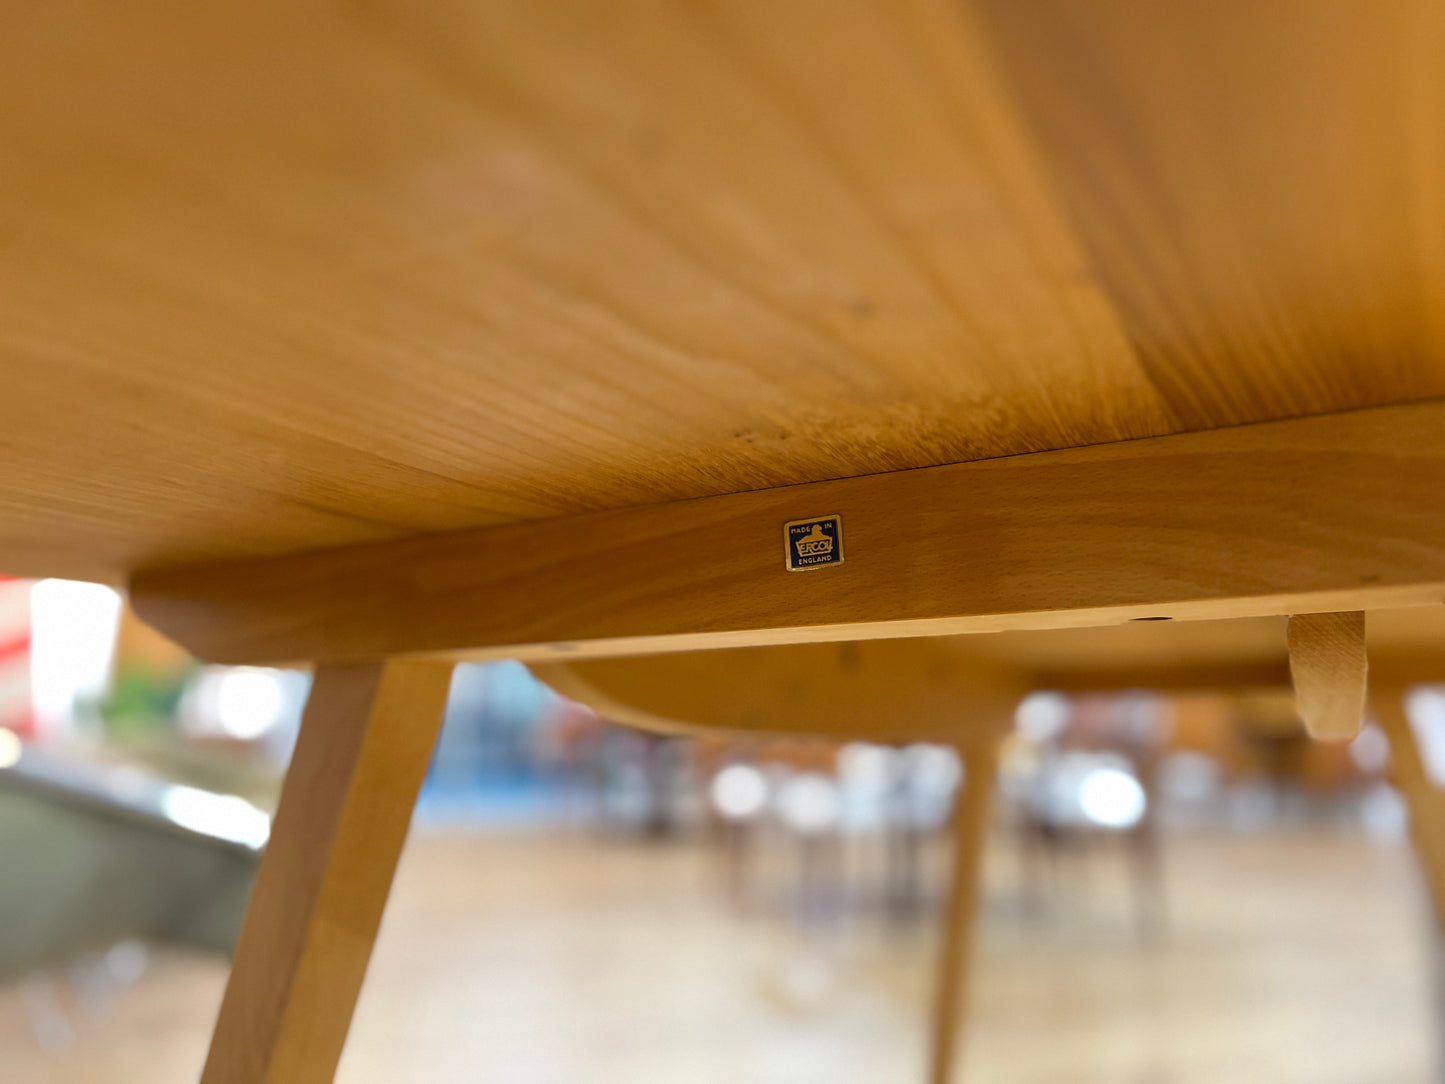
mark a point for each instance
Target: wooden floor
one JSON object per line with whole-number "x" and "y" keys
{"x": 555, "y": 960}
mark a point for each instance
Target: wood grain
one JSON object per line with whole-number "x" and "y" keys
{"x": 1405, "y": 646}
{"x": 280, "y": 277}
{"x": 1271, "y": 241}
{"x": 365, "y": 744}
{"x": 1309, "y": 515}
{"x": 897, "y": 691}
{"x": 1328, "y": 664}
{"x": 274, "y": 278}
{"x": 945, "y": 688}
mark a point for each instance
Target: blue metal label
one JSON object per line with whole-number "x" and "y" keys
{"x": 813, "y": 543}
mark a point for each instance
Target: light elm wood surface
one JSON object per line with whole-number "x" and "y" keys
{"x": 365, "y": 744}
{"x": 1330, "y": 670}
{"x": 875, "y": 690}
{"x": 282, "y": 276}
{"x": 1337, "y": 512}
{"x": 958, "y": 689}
{"x": 1271, "y": 241}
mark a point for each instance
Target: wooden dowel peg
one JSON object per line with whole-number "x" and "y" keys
{"x": 1328, "y": 664}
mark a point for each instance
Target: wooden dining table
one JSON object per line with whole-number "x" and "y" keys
{"x": 629, "y": 338}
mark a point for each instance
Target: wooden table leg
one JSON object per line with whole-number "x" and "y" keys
{"x": 1425, "y": 801}
{"x": 971, "y": 813}
{"x": 364, "y": 747}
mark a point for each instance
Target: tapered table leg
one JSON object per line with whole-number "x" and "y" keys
{"x": 365, "y": 743}
{"x": 971, "y": 813}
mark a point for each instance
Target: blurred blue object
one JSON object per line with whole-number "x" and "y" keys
{"x": 494, "y": 762}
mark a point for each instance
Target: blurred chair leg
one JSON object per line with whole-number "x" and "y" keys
{"x": 1425, "y": 801}
{"x": 1146, "y": 853}
{"x": 971, "y": 813}
{"x": 365, "y": 744}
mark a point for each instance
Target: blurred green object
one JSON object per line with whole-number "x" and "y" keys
{"x": 143, "y": 699}
{"x": 89, "y": 857}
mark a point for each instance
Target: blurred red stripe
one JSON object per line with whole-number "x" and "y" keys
{"x": 16, "y": 645}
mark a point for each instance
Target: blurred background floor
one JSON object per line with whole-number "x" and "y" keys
{"x": 557, "y": 957}
{"x": 1180, "y": 890}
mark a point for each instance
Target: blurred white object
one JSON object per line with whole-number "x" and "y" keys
{"x": 1093, "y": 789}
{"x": 866, "y": 768}
{"x": 72, "y": 648}
{"x": 867, "y": 777}
{"x": 1042, "y": 716}
{"x": 246, "y": 703}
{"x": 249, "y": 701}
{"x": 1425, "y": 707}
{"x": 931, "y": 775}
{"x": 1370, "y": 750}
{"x": 10, "y": 749}
{"x": 808, "y": 803}
{"x": 739, "y": 792}
{"x": 224, "y": 816}
{"x": 1112, "y": 798}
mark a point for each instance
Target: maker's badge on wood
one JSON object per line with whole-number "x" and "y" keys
{"x": 813, "y": 543}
